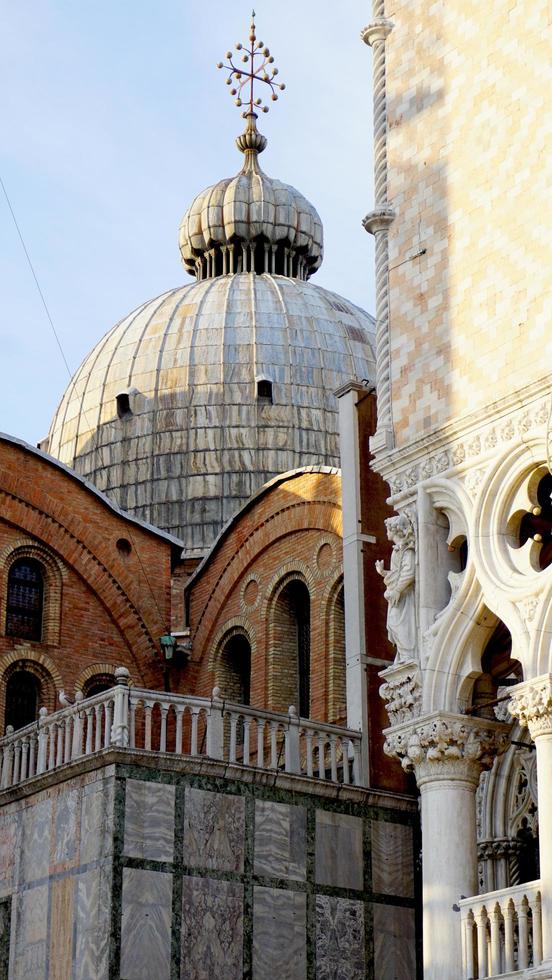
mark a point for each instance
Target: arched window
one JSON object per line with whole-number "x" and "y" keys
{"x": 25, "y": 599}
{"x": 292, "y": 634}
{"x": 22, "y": 699}
{"x": 234, "y": 676}
{"x": 337, "y": 708}
{"x": 98, "y": 684}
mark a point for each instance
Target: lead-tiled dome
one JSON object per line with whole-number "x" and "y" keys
{"x": 196, "y": 399}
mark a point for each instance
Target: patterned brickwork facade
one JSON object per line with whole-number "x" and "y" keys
{"x": 469, "y": 173}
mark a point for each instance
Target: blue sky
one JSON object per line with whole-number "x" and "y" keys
{"x": 114, "y": 117}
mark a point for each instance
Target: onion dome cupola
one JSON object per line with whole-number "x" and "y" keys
{"x": 191, "y": 403}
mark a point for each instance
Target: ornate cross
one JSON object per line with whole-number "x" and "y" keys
{"x": 257, "y": 61}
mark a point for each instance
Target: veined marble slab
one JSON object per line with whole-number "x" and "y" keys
{"x": 394, "y": 943}
{"x": 93, "y": 905}
{"x": 146, "y": 925}
{"x": 35, "y": 843}
{"x": 339, "y": 850}
{"x": 97, "y": 820}
{"x": 65, "y": 826}
{"x": 62, "y": 913}
{"x": 31, "y": 927}
{"x": 149, "y": 820}
{"x": 212, "y": 929}
{"x": 279, "y": 934}
{"x": 214, "y": 830}
{"x": 339, "y": 939}
{"x": 9, "y": 848}
{"x": 392, "y": 859}
{"x": 280, "y": 840}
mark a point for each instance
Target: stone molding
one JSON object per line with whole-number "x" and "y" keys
{"x": 402, "y": 692}
{"x": 378, "y": 30}
{"x": 531, "y": 704}
{"x": 444, "y": 746}
{"x": 380, "y": 219}
{"x": 497, "y": 849}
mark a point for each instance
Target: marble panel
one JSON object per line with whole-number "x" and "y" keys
{"x": 96, "y": 822}
{"x": 62, "y": 892}
{"x": 280, "y": 840}
{"x": 214, "y": 830}
{"x": 5, "y": 933}
{"x": 339, "y": 850}
{"x": 212, "y": 929}
{"x": 340, "y": 947}
{"x": 394, "y": 943}
{"x": 35, "y": 843}
{"x": 93, "y": 914}
{"x": 146, "y": 925}
{"x": 31, "y": 927}
{"x": 65, "y": 826}
{"x": 149, "y": 820}
{"x": 392, "y": 858}
{"x": 279, "y": 934}
{"x": 9, "y": 848}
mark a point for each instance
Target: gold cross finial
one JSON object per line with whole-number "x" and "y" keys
{"x": 258, "y": 62}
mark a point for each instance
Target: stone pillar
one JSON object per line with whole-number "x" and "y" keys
{"x": 353, "y": 568}
{"x": 447, "y": 753}
{"x": 531, "y": 703}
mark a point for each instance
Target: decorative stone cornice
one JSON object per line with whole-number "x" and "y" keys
{"x": 380, "y": 219}
{"x": 378, "y": 30}
{"x": 531, "y": 704}
{"x": 497, "y": 849}
{"x": 402, "y": 692}
{"x": 447, "y": 746}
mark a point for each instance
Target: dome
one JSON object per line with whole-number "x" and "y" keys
{"x": 190, "y": 404}
{"x": 251, "y": 222}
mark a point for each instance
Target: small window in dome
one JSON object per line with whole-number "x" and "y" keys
{"x": 124, "y": 410}
{"x": 264, "y": 391}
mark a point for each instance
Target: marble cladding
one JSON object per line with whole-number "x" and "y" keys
{"x": 340, "y": 942}
{"x": 149, "y": 820}
{"x": 35, "y": 844}
{"x": 212, "y": 929}
{"x": 146, "y": 924}
{"x": 339, "y": 850}
{"x": 214, "y": 830}
{"x": 5, "y": 930}
{"x": 93, "y": 921}
{"x": 280, "y": 840}
{"x": 29, "y": 960}
{"x": 392, "y": 858}
{"x": 394, "y": 942}
{"x": 279, "y": 934}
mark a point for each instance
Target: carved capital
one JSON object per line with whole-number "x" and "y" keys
{"x": 447, "y": 746}
{"x": 402, "y": 692}
{"x": 380, "y": 219}
{"x": 378, "y": 30}
{"x": 531, "y": 703}
{"x": 498, "y": 849}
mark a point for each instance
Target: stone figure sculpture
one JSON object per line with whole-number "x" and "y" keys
{"x": 399, "y": 587}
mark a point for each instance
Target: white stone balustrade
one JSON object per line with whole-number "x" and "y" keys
{"x": 155, "y": 721}
{"x": 502, "y": 932}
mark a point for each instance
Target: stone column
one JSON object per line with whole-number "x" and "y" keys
{"x": 531, "y": 702}
{"x": 447, "y": 753}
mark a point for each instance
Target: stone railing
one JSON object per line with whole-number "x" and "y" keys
{"x": 155, "y": 721}
{"x": 502, "y": 931}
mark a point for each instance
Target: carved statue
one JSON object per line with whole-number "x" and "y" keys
{"x": 399, "y": 587}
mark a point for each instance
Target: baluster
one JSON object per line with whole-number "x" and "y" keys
{"x": 308, "y": 743}
{"x": 24, "y": 759}
{"x": 16, "y": 762}
{"x": 132, "y": 724}
{"x": 32, "y": 755}
{"x": 89, "y": 727}
{"x": 76, "y": 747}
{"x": 273, "y": 745}
{"x": 59, "y": 745}
{"x": 481, "y": 920}
{"x": 42, "y": 742}
{"x": 52, "y": 728}
{"x": 509, "y": 937}
{"x": 246, "y": 726}
{"x": 537, "y": 930}
{"x": 356, "y": 762}
{"x": 345, "y": 746}
{"x": 495, "y": 940}
{"x": 147, "y": 735}
{"x": 523, "y": 936}
{"x": 260, "y": 743}
{"x": 233, "y": 736}
{"x": 321, "y": 766}
{"x": 97, "y": 727}
{"x": 469, "y": 971}
{"x": 164, "y": 708}
{"x": 6, "y": 762}
{"x": 333, "y": 756}
{"x": 178, "y": 735}
{"x": 67, "y": 733}
{"x": 108, "y": 709}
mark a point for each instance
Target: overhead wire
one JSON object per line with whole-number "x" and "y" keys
{"x": 65, "y": 361}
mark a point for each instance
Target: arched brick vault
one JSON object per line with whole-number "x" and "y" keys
{"x": 278, "y": 535}
{"x": 45, "y": 503}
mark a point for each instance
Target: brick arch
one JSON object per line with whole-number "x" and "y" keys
{"x": 282, "y": 667}
{"x": 335, "y": 646}
{"x": 238, "y": 624}
{"x": 85, "y": 563}
{"x": 93, "y": 671}
{"x": 37, "y": 663}
{"x": 224, "y": 677}
{"x": 55, "y": 574}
